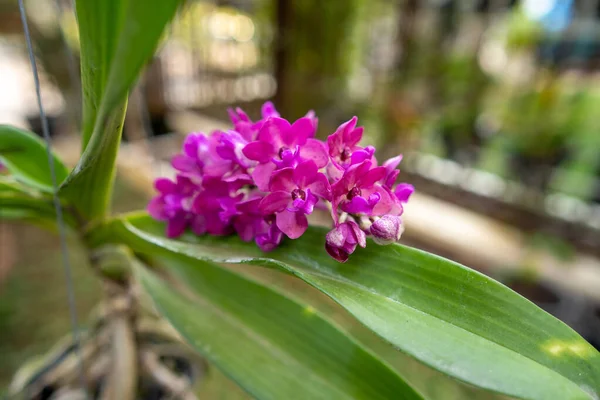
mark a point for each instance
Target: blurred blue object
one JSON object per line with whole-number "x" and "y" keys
{"x": 554, "y": 15}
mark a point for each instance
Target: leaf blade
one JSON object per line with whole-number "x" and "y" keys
{"x": 23, "y": 153}
{"x": 272, "y": 346}
{"x": 471, "y": 305}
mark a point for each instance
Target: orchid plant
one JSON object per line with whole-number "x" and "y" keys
{"x": 261, "y": 180}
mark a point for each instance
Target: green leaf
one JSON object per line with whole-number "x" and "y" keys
{"x": 23, "y": 153}
{"x": 117, "y": 39}
{"x": 272, "y": 346}
{"x": 39, "y": 210}
{"x": 451, "y": 318}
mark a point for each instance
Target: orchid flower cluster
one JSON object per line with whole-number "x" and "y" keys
{"x": 262, "y": 179}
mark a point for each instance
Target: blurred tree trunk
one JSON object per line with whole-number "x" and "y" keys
{"x": 397, "y": 113}
{"x": 312, "y": 55}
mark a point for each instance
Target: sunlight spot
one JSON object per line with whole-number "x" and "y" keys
{"x": 558, "y": 347}
{"x": 309, "y": 310}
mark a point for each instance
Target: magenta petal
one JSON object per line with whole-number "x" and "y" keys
{"x": 391, "y": 178}
{"x": 334, "y": 171}
{"x": 305, "y": 173}
{"x": 359, "y": 235}
{"x": 282, "y": 180}
{"x": 359, "y": 156}
{"x": 321, "y": 187}
{"x": 176, "y": 226}
{"x": 191, "y": 143}
{"x": 183, "y": 163}
{"x": 392, "y": 163}
{"x": 198, "y": 225}
{"x": 156, "y": 208}
{"x": 259, "y": 151}
{"x": 291, "y": 223}
{"x": 273, "y": 130}
{"x": 354, "y": 136}
{"x": 165, "y": 185}
{"x": 299, "y": 132}
{"x": 315, "y": 150}
{"x": 268, "y": 110}
{"x": 386, "y": 203}
{"x": 403, "y": 191}
{"x": 262, "y": 175}
{"x": 274, "y": 202}
{"x": 334, "y": 144}
{"x": 374, "y": 175}
{"x": 358, "y": 205}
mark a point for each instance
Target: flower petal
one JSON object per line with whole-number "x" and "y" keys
{"x": 165, "y": 185}
{"x": 274, "y": 202}
{"x": 183, "y": 163}
{"x": 291, "y": 223}
{"x": 315, "y": 150}
{"x": 156, "y": 208}
{"x": 262, "y": 175}
{"x": 273, "y": 130}
{"x": 374, "y": 175}
{"x": 358, "y": 205}
{"x": 305, "y": 173}
{"x": 392, "y": 163}
{"x": 403, "y": 191}
{"x": 176, "y": 226}
{"x": 299, "y": 132}
{"x": 198, "y": 224}
{"x": 259, "y": 151}
{"x": 282, "y": 180}
{"x": 321, "y": 187}
{"x": 268, "y": 110}
{"x": 359, "y": 235}
{"x": 386, "y": 203}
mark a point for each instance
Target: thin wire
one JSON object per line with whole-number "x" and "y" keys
{"x": 57, "y": 205}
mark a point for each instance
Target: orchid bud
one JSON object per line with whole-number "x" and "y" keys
{"x": 341, "y": 241}
{"x": 387, "y": 229}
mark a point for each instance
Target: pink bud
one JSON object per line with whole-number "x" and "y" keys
{"x": 341, "y": 241}
{"x": 387, "y": 229}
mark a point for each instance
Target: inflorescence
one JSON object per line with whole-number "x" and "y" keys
{"x": 261, "y": 179}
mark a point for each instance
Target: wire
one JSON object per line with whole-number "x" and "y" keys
{"x": 56, "y": 200}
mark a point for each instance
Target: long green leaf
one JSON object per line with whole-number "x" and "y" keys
{"x": 117, "y": 38}
{"x": 23, "y": 153}
{"x": 19, "y": 206}
{"x": 272, "y": 346}
{"x": 451, "y": 318}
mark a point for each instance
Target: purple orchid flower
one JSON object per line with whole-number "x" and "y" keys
{"x": 200, "y": 157}
{"x": 173, "y": 204}
{"x": 341, "y": 241}
{"x": 216, "y": 204}
{"x": 343, "y": 147}
{"x": 280, "y": 144}
{"x": 270, "y": 239}
{"x": 294, "y": 193}
{"x": 358, "y": 192}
